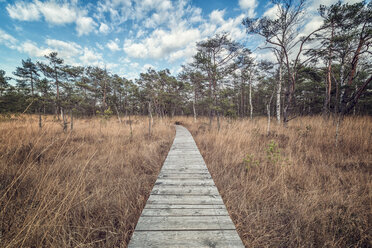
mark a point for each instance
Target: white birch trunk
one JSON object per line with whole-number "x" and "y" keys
{"x": 279, "y": 91}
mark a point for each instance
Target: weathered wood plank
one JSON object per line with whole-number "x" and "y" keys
{"x": 191, "y": 190}
{"x": 178, "y": 223}
{"x": 184, "y": 208}
{"x": 185, "y": 175}
{"x": 183, "y": 170}
{"x": 184, "y": 182}
{"x": 171, "y": 239}
{"x": 183, "y": 212}
{"x": 185, "y": 199}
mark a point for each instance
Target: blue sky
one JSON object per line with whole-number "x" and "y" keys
{"x": 126, "y": 36}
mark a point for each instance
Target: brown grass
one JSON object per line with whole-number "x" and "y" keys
{"x": 84, "y": 188}
{"x": 303, "y": 192}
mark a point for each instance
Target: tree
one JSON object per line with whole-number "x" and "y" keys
{"x": 281, "y": 35}
{"x": 55, "y": 70}
{"x": 215, "y": 59}
{"x": 3, "y": 82}
{"x": 28, "y": 73}
{"x": 247, "y": 71}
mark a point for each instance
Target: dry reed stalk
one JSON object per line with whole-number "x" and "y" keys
{"x": 293, "y": 188}
{"x": 83, "y": 188}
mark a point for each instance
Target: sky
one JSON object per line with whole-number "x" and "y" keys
{"x": 128, "y": 36}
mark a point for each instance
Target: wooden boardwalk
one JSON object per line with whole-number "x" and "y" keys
{"x": 185, "y": 208}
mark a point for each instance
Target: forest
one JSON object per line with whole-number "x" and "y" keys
{"x": 327, "y": 71}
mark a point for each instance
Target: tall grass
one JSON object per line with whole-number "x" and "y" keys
{"x": 82, "y": 188}
{"x": 293, "y": 188}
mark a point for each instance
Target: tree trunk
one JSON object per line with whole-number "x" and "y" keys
{"x": 150, "y": 118}
{"x": 279, "y": 91}
{"x": 193, "y": 108}
{"x": 250, "y": 96}
{"x": 268, "y": 119}
{"x": 242, "y": 99}
{"x": 327, "y": 103}
{"x": 130, "y": 127}
{"x": 117, "y": 112}
{"x": 40, "y": 125}
{"x": 72, "y": 120}
{"x": 269, "y": 114}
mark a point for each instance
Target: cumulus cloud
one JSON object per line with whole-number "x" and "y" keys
{"x": 57, "y": 13}
{"x": 161, "y": 43}
{"x": 23, "y": 11}
{"x": 104, "y": 28}
{"x": 64, "y": 49}
{"x": 33, "y": 49}
{"x": 249, "y": 7}
{"x": 85, "y": 25}
{"x": 90, "y": 57}
{"x": 217, "y": 16}
{"x": 54, "y": 12}
{"x": 272, "y": 12}
{"x": 113, "y": 45}
{"x": 8, "y": 40}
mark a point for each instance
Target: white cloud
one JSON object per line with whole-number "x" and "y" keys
{"x": 113, "y": 45}
{"x": 234, "y": 27}
{"x": 55, "y": 13}
{"x": 217, "y": 16}
{"x": 135, "y": 50}
{"x": 33, "y": 50}
{"x": 85, "y": 25}
{"x": 134, "y": 65}
{"x": 23, "y": 11}
{"x": 90, "y": 57}
{"x": 64, "y": 49}
{"x": 249, "y": 6}
{"x": 99, "y": 46}
{"x": 103, "y": 28}
{"x": 147, "y": 66}
{"x": 272, "y": 12}
{"x": 160, "y": 44}
{"x": 8, "y": 40}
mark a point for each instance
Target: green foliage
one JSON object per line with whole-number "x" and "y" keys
{"x": 273, "y": 153}
{"x": 250, "y": 162}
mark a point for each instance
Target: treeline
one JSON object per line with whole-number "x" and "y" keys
{"x": 327, "y": 71}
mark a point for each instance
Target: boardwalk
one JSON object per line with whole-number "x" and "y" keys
{"x": 185, "y": 208}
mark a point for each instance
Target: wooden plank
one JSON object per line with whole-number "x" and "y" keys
{"x": 174, "y": 175}
{"x": 171, "y": 239}
{"x": 184, "y": 208}
{"x": 184, "y": 182}
{"x": 183, "y": 212}
{"x": 185, "y": 199}
{"x": 191, "y": 190}
{"x": 184, "y": 170}
{"x": 178, "y": 223}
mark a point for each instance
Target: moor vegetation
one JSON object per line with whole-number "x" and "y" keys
{"x": 293, "y": 187}
{"x": 82, "y": 188}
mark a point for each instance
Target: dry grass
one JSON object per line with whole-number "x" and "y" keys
{"x": 84, "y": 188}
{"x": 300, "y": 191}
